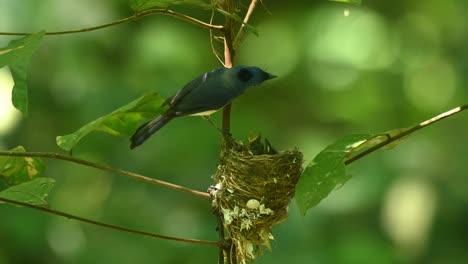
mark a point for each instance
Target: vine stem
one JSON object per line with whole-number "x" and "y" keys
{"x": 134, "y": 17}
{"x": 106, "y": 168}
{"x": 405, "y": 133}
{"x": 114, "y": 227}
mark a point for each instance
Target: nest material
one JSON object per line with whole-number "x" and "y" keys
{"x": 253, "y": 193}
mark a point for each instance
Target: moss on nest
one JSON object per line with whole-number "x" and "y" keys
{"x": 253, "y": 193}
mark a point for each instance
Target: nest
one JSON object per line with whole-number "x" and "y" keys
{"x": 253, "y": 191}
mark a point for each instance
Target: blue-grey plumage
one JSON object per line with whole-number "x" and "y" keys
{"x": 203, "y": 96}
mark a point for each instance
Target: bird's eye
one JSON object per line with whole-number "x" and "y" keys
{"x": 244, "y": 75}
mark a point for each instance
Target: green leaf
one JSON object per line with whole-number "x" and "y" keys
{"x": 354, "y": 2}
{"x": 17, "y": 170}
{"x": 326, "y": 172}
{"x": 142, "y": 5}
{"x": 17, "y": 56}
{"x": 32, "y": 192}
{"x": 238, "y": 19}
{"x": 121, "y": 122}
{"x": 20, "y": 179}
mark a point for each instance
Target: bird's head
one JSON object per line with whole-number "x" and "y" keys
{"x": 247, "y": 76}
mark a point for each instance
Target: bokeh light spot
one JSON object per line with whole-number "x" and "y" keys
{"x": 342, "y": 45}
{"x": 432, "y": 85}
{"x": 361, "y": 39}
{"x": 9, "y": 116}
{"x": 408, "y": 213}
{"x": 66, "y": 238}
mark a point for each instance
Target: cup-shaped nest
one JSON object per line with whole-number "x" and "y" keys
{"x": 253, "y": 194}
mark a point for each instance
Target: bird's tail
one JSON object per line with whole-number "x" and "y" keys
{"x": 148, "y": 129}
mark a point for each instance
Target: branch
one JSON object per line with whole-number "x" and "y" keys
{"x": 391, "y": 139}
{"x": 134, "y": 17}
{"x": 220, "y": 229}
{"x": 106, "y": 168}
{"x": 229, "y": 51}
{"x": 246, "y": 20}
{"x": 228, "y": 60}
{"x": 119, "y": 228}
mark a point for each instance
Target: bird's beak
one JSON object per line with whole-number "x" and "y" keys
{"x": 271, "y": 76}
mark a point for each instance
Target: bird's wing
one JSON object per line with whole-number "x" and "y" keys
{"x": 200, "y": 81}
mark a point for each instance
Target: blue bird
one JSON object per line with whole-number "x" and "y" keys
{"x": 203, "y": 96}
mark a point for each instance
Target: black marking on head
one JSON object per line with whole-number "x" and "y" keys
{"x": 244, "y": 75}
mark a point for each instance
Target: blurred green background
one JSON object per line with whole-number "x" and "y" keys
{"x": 343, "y": 69}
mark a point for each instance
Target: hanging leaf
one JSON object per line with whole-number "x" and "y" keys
{"x": 326, "y": 172}
{"x": 17, "y": 56}
{"x": 121, "y": 122}
{"x": 33, "y": 192}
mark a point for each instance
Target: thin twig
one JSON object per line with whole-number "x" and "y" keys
{"x": 391, "y": 139}
{"x": 252, "y": 5}
{"x": 106, "y": 168}
{"x": 114, "y": 227}
{"x": 134, "y": 17}
{"x": 213, "y": 48}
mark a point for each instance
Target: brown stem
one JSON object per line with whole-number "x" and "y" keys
{"x": 114, "y": 227}
{"x": 128, "y": 19}
{"x": 249, "y": 13}
{"x": 106, "y": 168}
{"x": 213, "y": 48}
{"x": 228, "y": 62}
{"x": 391, "y": 139}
